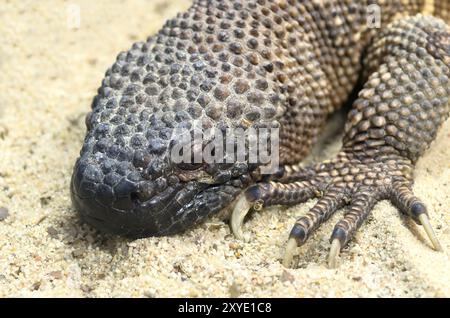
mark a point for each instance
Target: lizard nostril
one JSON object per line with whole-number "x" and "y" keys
{"x": 135, "y": 197}
{"x": 123, "y": 191}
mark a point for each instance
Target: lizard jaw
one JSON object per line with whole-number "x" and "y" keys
{"x": 174, "y": 210}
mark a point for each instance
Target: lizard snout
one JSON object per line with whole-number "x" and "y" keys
{"x": 113, "y": 202}
{"x": 131, "y": 205}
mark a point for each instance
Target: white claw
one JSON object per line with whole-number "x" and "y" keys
{"x": 423, "y": 218}
{"x": 334, "y": 253}
{"x": 237, "y": 218}
{"x": 291, "y": 246}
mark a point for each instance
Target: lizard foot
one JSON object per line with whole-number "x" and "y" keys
{"x": 345, "y": 181}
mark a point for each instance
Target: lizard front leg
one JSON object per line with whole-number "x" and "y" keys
{"x": 391, "y": 124}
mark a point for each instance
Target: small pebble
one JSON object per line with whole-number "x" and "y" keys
{"x": 4, "y": 213}
{"x": 78, "y": 253}
{"x": 36, "y": 285}
{"x": 149, "y": 294}
{"x": 45, "y": 200}
{"x": 287, "y": 277}
{"x": 86, "y": 288}
{"x": 234, "y": 290}
{"x": 55, "y": 274}
{"x": 52, "y": 232}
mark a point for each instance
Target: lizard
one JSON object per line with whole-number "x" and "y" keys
{"x": 279, "y": 64}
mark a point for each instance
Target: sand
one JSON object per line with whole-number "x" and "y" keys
{"x": 49, "y": 73}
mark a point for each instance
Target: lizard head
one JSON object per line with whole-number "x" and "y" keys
{"x": 138, "y": 175}
{"x": 147, "y": 173}
{"x": 137, "y": 184}
{"x": 126, "y": 180}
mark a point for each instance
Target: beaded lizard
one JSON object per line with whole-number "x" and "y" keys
{"x": 285, "y": 64}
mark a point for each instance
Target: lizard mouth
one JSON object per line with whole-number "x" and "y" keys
{"x": 126, "y": 213}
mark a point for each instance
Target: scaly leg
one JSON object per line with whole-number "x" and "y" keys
{"x": 392, "y": 123}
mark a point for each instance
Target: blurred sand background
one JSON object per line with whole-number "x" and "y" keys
{"x": 49, "y": 73}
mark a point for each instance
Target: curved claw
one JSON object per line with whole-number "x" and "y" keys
{"x": 237, "y": 218}
{"x": 291, "y": 246}
{"x": 334, "y": 253}
{"x": 423, "y": 218}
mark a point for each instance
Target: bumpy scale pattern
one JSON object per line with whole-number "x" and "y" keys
{"x": 394, "y": 120}
{"x": 260, "y": 63}
{"x": 406, "y": 99}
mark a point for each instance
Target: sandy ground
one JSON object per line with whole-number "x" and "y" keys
{"x": 49, "y": 74}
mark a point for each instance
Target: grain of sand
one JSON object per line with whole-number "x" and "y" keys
{"x": 49, "y": 73}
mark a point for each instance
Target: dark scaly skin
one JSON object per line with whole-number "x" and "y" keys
{"x": 287, "y": 64}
